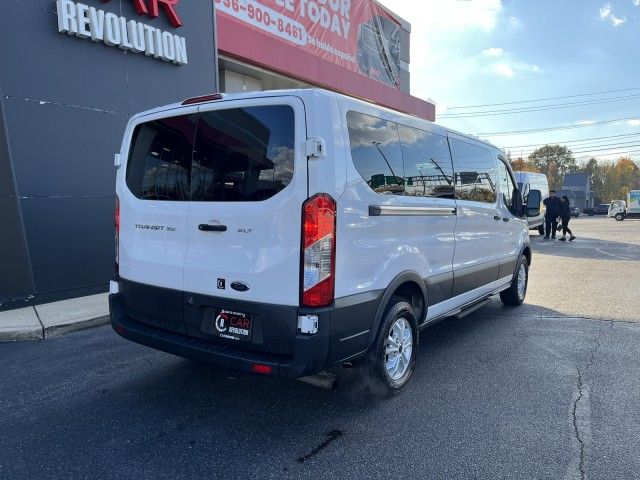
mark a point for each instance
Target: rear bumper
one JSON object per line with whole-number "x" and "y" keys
{"x": 310, "y": 354}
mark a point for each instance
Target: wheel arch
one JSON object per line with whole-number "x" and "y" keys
{"x": 409, "y": 285}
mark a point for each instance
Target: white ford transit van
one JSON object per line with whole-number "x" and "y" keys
{"x": 286, "y": 232}
{"x": 527, "y": 181}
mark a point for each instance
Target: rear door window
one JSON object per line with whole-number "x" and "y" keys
{"x": 236, "y": 154}
{"x": 159, "y": 163}
{"x": 243, "y": 154}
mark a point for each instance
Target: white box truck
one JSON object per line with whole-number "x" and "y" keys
{"x": 619, "y": 209}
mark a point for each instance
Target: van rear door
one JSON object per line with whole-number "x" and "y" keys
{"x": 154, "y": 196}
{"x": 248, "y": 184}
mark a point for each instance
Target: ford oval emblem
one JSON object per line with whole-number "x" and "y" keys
{"x": 239, "y": 286}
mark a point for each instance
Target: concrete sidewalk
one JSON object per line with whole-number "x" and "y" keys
{"x": 52, "y": 319}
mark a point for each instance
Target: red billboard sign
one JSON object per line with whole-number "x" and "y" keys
{"x": 356, "y": 34}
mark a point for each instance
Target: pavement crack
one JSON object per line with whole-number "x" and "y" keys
{"x": 332, "y": 436}
{"x": 581, "y": 411}
{"x": 577, "y": 429}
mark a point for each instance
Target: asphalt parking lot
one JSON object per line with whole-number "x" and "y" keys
{"x": 548, "y": 390}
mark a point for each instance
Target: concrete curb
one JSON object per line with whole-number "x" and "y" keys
{"x": 54, "y": 319}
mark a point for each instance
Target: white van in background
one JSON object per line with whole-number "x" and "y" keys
{"x": 286, "y": 232}
{"x": 534, "y": 181}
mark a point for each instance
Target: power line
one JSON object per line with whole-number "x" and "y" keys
{"x": 588, "y": 150}
{"x": 545, "y": 99}
{"x": 550, "y": 129}
{"x": 570, "y": 141}
{"x": 584, "y": 155}
{"x": 538, "y": 108}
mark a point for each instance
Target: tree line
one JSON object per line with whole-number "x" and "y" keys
{"x": 610, "y": 180}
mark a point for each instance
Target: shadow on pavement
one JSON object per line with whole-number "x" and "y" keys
{"x": 590, "y": 248}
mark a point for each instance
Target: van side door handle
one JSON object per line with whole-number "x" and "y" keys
{"x": 205, "y": 227}
{"x": 497, "y": 217}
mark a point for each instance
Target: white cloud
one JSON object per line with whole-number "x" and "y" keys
{"x": 606, "y": 14}
{"x": 635, "y": 122}
{"x": 495, "y": 52}
{"x": 516, "y": 23}
{"x": 616, "y": 21}
{"x": 585, "y": 122}
{"x": 636, "y": 3}
{"x": 503, "y": 70}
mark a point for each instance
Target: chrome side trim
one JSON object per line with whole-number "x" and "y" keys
{"x": 384, "y": 210}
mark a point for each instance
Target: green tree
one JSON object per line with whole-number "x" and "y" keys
{"x": 521, "y": 165}
{"x": 597, "y": 184}
{"x": 554, "y": 161}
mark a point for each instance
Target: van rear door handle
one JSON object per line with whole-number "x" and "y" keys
{"x": 205, "y": 227}
{"x": 497, "y": 217}
{"x": 505, "y": 219}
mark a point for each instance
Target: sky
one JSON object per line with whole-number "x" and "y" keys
{"x": 469, "y": 53}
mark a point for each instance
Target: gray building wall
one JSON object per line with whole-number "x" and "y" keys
{"x": 64, "y": 103}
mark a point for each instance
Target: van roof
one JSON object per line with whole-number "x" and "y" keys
{"x": 309, "y": 92}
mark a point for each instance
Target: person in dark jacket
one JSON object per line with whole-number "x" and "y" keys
{"x": 552, "y": 204}
{"x": 565, "y": 216}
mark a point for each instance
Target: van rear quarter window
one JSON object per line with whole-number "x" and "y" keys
{"x": 396, "y": 159}
{"x": 376, "y": 153}
{"x": 235, "y": 154}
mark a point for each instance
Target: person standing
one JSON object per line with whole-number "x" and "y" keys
{"x": 565, "y": 216}
{"x": 552, "y": 204}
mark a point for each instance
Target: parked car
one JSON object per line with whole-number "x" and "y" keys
{"x": 575, "y": 211}
{"x": 601, "y": 209}
{"x": 286, "y": 232}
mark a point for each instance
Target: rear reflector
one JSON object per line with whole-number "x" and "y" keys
{"x": 318, "y": 251}
{"x": 264, "y": 369}
{"x": 204, "y": 98}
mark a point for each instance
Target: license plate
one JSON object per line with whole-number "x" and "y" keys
{"x": 228, "y": 324}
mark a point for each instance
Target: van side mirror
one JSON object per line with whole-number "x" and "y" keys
{"x": 532, "y": 207}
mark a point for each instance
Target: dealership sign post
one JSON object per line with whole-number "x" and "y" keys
{"x": 83, "y": 21}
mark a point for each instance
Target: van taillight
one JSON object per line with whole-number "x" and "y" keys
{"x": 318, "y": 251}
{"x": 117, "y": 229}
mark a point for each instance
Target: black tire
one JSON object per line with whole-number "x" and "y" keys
{"x": 619, "y": 217}
{"x": 512, "y": 296}
{"x": 541, "y": 229}
{"x": 374, "y": 368}
{"x": 591, "y": 214}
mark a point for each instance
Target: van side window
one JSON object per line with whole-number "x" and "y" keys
{"x": 243, "y": 154}
{"x": 506, "y": 184}
{"x": 475, "y": 172}
{"x": 376, "y": 153}
{"x": 160, "y": 159}
{"x": 427, "y": 163}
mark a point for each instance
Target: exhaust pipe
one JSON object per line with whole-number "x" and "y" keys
{"x": 322, "y": 380}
